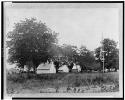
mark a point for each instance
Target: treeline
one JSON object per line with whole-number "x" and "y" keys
{"x": 33, "y": 41}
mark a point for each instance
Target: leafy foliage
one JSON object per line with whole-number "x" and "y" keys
{"x": 87, "y": 60}
{"x": 31, "y": 41}
{"x": 111, "y": 55}
{"x": 69, "y": 52}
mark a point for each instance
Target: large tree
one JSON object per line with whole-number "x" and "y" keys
{"x": 29, "y": 41}
{"x": 87, "y": 60}
{"x": 69, "y": 53}
{"x": 111, "y": 54}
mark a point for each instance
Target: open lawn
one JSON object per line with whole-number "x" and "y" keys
{"x": 63, "y": 82}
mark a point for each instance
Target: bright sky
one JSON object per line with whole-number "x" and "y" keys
{"x": 75, "y": 26}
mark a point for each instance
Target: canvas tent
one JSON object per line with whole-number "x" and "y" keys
{"x": 46, "y": 68}
{"x": 76, "y": 68}
{"x": 63, "y": 68}
{"x": 25, "y": 68}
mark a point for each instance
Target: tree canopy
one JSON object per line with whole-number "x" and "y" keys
{"x": 87, "y": 60}
{"x": 31, "y": 41}
{"x": 111, "y": 54}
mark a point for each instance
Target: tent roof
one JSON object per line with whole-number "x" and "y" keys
{"x": 74, "y": 67}
{"x": 62, "y": 67}
{"x": 43, "y": 66}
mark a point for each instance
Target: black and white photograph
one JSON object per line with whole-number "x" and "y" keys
{"x": 63, "y": 49}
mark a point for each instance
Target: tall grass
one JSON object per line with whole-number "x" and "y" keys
{"x": 56, "y": 81}
{"x": 65, "y": 78}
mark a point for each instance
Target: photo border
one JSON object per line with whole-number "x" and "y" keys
{"x": 3, "y": 42}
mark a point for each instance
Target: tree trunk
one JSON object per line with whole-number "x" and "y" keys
{"x": 81, "y": 70}
{"x": 34, "y": 70}
{"x": 56, "y": 70}
{"x": 70, "y": 70}
{"x": 115, "y": 69}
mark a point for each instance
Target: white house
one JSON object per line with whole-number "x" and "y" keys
{"x": 46, "y": 68}
{"x": 63, "y": 68}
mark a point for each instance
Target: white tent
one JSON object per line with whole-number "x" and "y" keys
{"x": 79, "y": 68}
{"x": 63, "y": 68}
{"x": 25, "y": 68}
{"x": 46, "y": 68}
{"x": 74, "y": 69}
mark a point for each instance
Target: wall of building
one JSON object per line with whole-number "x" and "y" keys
{"x": 39, "y": 71}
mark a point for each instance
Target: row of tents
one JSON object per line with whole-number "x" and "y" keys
{"x": 50, "y": 68}
{"x": 47, "y": 68}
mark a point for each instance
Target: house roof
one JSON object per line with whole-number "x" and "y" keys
{"x": 45, "y": 66}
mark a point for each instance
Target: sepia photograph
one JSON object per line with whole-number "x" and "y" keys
{"x": 63, "y": 50}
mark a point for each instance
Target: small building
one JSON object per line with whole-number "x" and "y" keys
{"x": 63, "y": 69}
{"x": 46, "y": 68}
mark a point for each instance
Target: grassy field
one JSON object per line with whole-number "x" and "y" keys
{"x": 63, "y": 83}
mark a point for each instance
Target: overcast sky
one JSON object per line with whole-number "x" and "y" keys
{"x": 75, "y": 26}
